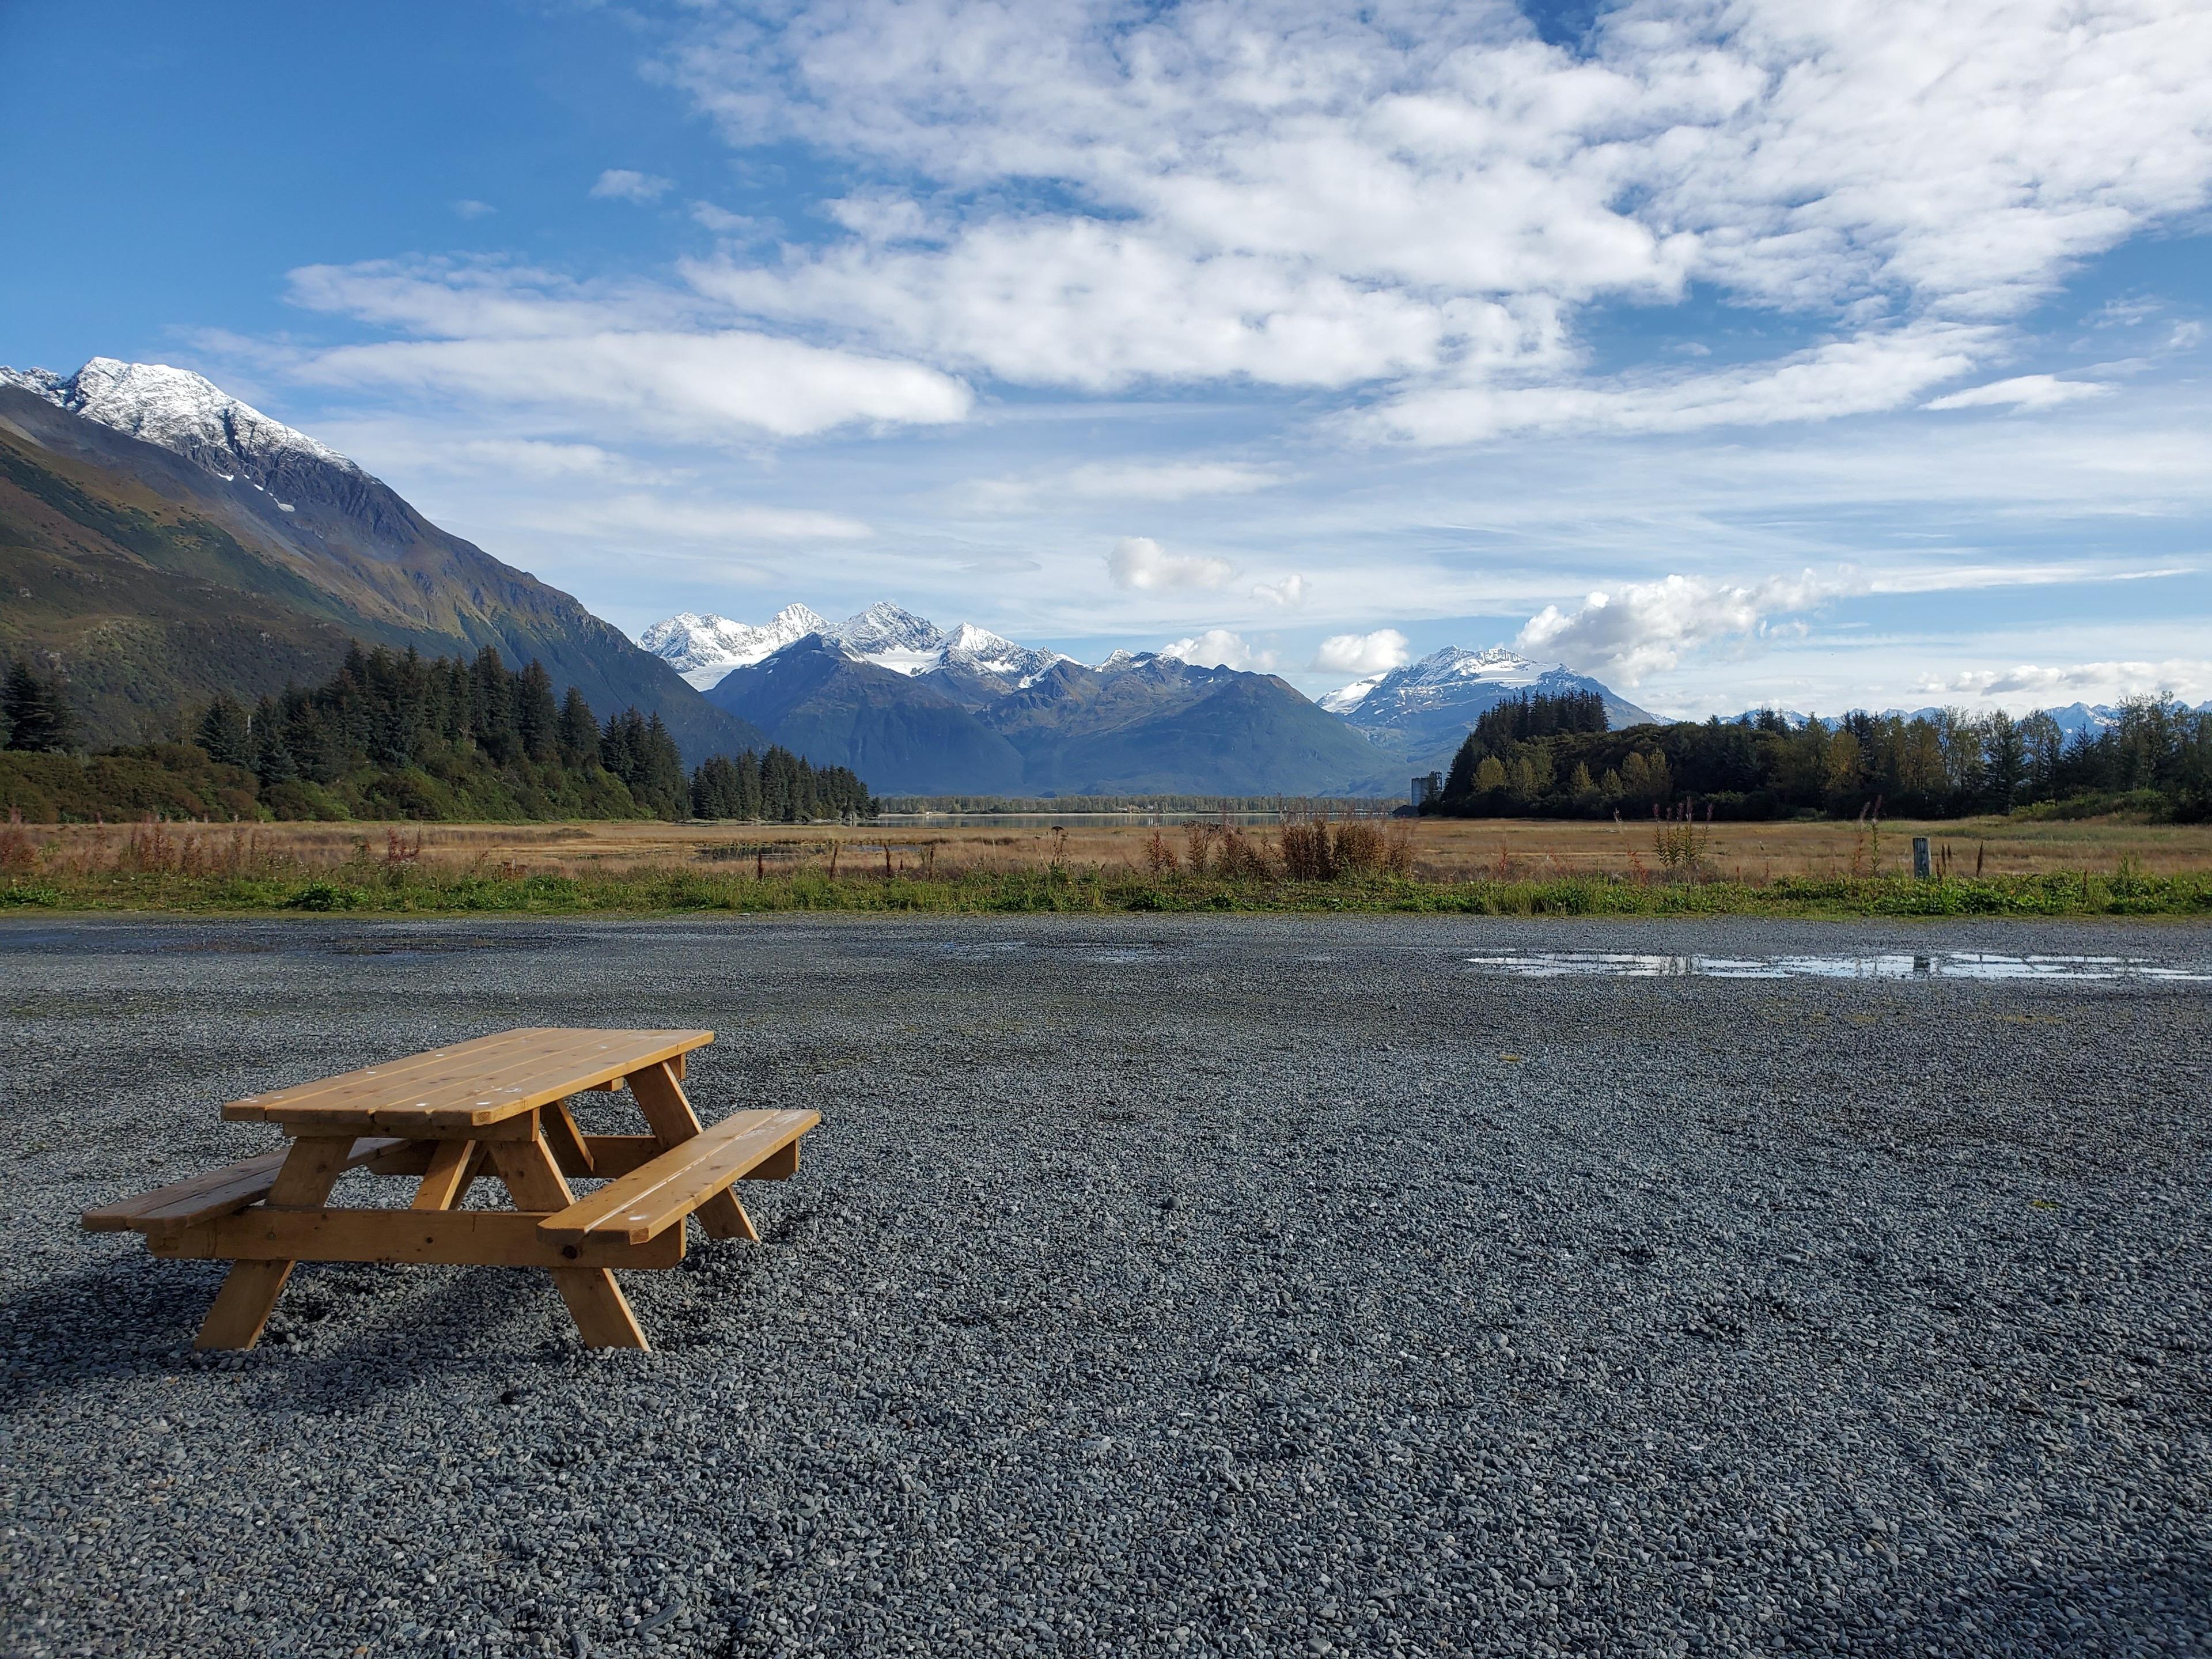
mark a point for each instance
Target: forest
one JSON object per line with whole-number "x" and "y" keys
{"x": 1547, "y": 756}
{"x": 394, "y": 735}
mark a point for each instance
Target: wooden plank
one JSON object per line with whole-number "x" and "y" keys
{"x": 659, "y": 1195}
{"x": 668, "y": 1112}
{"x": 570, "y": 1150}
{"x": 595, "y": 1302}
{"x": 492, "y": 1239}
{"x": 518, "y": 1126}
{"x": 617, "y": 1155}
{"x": 779, "y": 1165}
{"x": 250, "y": 1290}
{"x": 447, "y": 1178}
{"x": 390, "y": 1077}
{"x": 467, "y": 1094}
{"x": 216, "y": 1192}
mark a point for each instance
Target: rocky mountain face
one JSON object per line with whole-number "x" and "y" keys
{"x": 160, "y": 540}
{"x": 1008, "y": 719}
{"x": 915, "y": 709}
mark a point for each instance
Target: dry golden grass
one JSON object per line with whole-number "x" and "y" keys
{"x": 1441, "y": 850}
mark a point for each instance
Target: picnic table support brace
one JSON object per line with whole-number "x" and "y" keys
{"x": 602, "y": 1313}
{"x": 250, "y": 1290}
{"x": 668, "y": 1114}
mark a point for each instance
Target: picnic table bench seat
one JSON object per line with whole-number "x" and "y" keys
{"x": 494, "y": 1107}
{"x": 220, "y": 1192}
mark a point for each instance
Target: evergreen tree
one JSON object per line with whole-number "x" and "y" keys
{"x": 226, "y": 733}
{"x": 536, "y": 719}
{"x": 579, "y": 735}
{"x": 38, "y": 716}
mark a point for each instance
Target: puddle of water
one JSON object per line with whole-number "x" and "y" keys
{"x": 1940, "y": 964}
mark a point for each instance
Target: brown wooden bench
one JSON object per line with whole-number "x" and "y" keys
{"x": 496, "y": 1107}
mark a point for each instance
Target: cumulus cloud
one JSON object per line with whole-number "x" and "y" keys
{"x": 1649, "y": 627}
{"x": 470, "y": 208}
{"x": 1139, "y": 561}
{"x": 1291, "y": 591}
{"x": 623, "y": 185}
{"x": 1218, "y": 648}
{"x": 2023, "y": 391}
{"x": 1363, "y": 654}
{"x": 1424, "y": 198}
{"x": 572, "y": 356}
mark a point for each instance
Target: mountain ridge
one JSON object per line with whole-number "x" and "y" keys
{"x": 164, "y": 541}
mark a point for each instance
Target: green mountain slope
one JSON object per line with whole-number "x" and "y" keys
{"x": 149, "y": 579}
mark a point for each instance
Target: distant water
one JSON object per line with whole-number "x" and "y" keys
{"x": 1935, "y": 964}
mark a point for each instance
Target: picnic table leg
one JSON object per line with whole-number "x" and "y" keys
{"x": 668, "y": 1114}
{"x": 250, "y": 1290}
{"x": 454, "y": 1164}
{"x": 595, "y": 1301}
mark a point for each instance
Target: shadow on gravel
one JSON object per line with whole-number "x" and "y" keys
{"x": 2127, "y": 1608}
{"x": 126, "y": 1316}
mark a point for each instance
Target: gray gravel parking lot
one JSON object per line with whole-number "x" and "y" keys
{"x": 1204, "y": 1287}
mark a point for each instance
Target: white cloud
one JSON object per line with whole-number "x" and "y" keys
{"x": 1422, "y": 198}
{"x": 2183, "y": 677}
{"x": 1218, "y": 648}
{"x": 574, "y": 357}
{"x": 2023, "y": 391}
{"x": 642, "y": 519}
{"x": 723, "y": 223}
{"x": 1289, "y": 592}
{"x": 1363, "y": 654}
{"x": 1139, "y": 561}
{"x": 623, "y": 185}
{"x": 1648, "y": 627}
{"x": 469, "y": 208}
{"x": 1121, "y": 481}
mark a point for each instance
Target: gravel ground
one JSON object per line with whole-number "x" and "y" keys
{"x": 1192, "y": 1286}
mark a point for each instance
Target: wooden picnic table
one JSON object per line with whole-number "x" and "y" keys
{"x": 497, "y": 1107}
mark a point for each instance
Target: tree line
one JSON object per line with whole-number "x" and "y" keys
{"x": 1545, "y": 756}
{"x": 392, "y": 734}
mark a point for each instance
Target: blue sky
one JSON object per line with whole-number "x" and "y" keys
{"x": 1852, "y": 357}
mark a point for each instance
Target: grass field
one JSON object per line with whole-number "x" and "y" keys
{"x": 2040, "y": 866}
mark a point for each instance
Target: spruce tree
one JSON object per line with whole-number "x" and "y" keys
{"x": 226, "y": 734}
{"x": 536, "y": 719}
{"x": 39, "y": 719}
{"x": 579, "y": 736}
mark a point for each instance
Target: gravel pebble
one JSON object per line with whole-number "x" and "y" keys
{"x": 1187, "y": 1287}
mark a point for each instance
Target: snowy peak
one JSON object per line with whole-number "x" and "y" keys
{"x": 892, "y": 638}
{"x": 981, "y": 651}
{"x": 181, "y": 412}
{"x": 1345, "y": 698}
{"x": 703, "y": 648}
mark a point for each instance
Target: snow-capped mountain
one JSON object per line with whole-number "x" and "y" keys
{"x": 981, "y": 651}
{"x": 703, "y": 648}
{"x": 1345, "y": 698}
{"x": 273, "y": 554}
{"x": 1425, "y": 708}
{"x": 892, "y": 638}
{"x": 184, "y": 413}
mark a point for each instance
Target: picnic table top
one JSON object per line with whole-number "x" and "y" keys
{"x": 465, "y": 1085}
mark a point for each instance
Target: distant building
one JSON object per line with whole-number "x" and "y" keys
{"x": 1426, "y": 789}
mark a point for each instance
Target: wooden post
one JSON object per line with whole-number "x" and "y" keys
{"x": 668, "y": 1114}
{"x": 595, "y": 1301}
{"x": 1920, "y": 870}
{"x": 250, "y": 1291}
